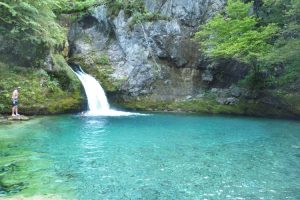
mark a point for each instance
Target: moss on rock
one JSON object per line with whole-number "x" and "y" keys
{"x": 42, "y": 92}
{"x": 293, "y": 101}
{"x": 210, "y": 106}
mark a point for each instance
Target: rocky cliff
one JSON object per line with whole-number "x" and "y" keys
{"x": 154, "y": 64}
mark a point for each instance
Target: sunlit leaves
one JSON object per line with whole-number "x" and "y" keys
{"x": 236, "y": 34}
{"x": 34, "y": 21}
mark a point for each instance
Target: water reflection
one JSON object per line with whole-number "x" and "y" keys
{"x": 92, "y": 141}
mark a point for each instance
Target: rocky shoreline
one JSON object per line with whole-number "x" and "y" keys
{"x": 220, "y": 102}
{"x": 11, "y": 119}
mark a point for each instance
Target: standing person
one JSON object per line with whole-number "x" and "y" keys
{"x": 14, "y": 97}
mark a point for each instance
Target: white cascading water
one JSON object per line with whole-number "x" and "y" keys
{"x": 97, "y": 100}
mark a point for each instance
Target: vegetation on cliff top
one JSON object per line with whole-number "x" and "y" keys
{"x": 30, "y": 53}
{"x": 267, "y": 38}
{"x": 29, "y": 31}
{"x": 236, "y": 34}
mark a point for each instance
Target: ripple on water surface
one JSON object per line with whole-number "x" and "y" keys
{"x": 151, "y": 157}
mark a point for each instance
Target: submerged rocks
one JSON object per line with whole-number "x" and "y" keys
{"x": 34, "y": 197}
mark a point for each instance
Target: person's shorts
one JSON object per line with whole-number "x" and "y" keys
{"x": 14, "y": 102}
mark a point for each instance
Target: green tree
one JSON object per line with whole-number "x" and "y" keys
{"x": 236, "y": 34}
{"x": 76, "y": 6}
{"x": 32, "y": 21}
{"x": 285, "y": 53}
{"x": 29, "y": 30}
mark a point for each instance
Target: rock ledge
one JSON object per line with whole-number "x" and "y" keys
{"x": 18, "y": 118}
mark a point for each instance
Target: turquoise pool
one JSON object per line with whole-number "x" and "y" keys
{"x": 157, "y": 156}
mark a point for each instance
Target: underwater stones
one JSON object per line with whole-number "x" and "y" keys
{"x": 6, "y": 189}
{"x": 8, "y": 168}
{"x": 35, "y": 197}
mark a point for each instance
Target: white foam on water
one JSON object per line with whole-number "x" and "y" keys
{"x": 111, "y": 113}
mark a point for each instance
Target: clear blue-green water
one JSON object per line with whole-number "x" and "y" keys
{"x": 151, "y": 157}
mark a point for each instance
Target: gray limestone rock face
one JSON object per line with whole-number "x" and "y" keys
{"x": 144, "y": 56}
{"x": 91, "y": 32}
{"x": 189, "y": 12}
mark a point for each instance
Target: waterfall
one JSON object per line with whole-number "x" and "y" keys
{"x": 97, "y": 101}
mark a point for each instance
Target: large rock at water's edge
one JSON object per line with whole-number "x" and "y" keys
{"x": 18, "y": 118}
{"x": 11, "y": 119}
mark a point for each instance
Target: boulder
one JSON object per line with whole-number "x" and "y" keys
{"x": 18, "y": 118}
{"x": 227, "y": 101}
{"x": 235, "y": 91}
